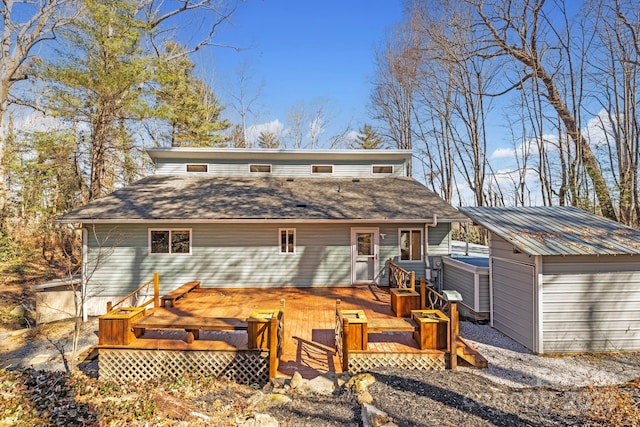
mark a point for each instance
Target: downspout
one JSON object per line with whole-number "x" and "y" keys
{"x": 427, "y": 265}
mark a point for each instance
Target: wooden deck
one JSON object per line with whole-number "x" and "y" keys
{"x": 309, "y": 324}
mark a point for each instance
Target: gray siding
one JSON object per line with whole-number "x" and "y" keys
{"x": 457, "y": 279}
{"x": 231, "y": 255}
{"x": 457, "y": 276}
{"x": 281, "y": 168}
{"x": 514, "y": 300}
{"x": 485, "y": 297}
{"x": 500, "y": 248}
{"x": 591, "y": 303}
{"x": 439, "y": 239}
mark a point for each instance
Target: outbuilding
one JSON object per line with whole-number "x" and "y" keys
{"x": 562, "y": 279}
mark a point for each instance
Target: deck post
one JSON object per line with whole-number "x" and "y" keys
{"x": 389, "y": 267}
{"x": 412, "y": 280}
{"x": 453, "y": 324}
{"x": 109, "y": 306}
{"x": 345, "y": 344}
{"x": 156, "y": 290}
{"x": 423, "y": 293}
{"x": 273, "y": 347}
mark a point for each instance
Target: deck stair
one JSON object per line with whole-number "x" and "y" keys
{"x": 470, "y": 355}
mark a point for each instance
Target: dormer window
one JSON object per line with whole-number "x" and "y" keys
{"x": 197, "y": 168}
{"x": 322, "y": 169}
{"x": 256, "y": 168}
{"x": 382, "y": 169}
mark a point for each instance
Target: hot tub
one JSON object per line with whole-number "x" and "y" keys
{"x": 468, "y": 275}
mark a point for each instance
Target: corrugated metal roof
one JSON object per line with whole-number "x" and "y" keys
{"x": 203, "y": 198}
{"x": 557, "y": 230}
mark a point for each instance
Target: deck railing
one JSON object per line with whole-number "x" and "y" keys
{"x": 401, "y": 278}
{"x": 156, "y": 294}
{"x": 276, "y": 340}
{"x": 341, "y": 339}
{"x": 431, "y": 299}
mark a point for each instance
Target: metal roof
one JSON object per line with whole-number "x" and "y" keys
{"x": 557, "y": 230}
{"x": 190, "y": 198}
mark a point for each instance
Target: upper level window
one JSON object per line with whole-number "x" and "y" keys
{"x": 382, "y": 169}
{"x": 322, "y": 169}
{"x": 197, "y": 168}
{"x": 411, "y": 245}
{"x": 260, "y": 168}
{"x": 170, "y": 241}
{"x": 287, "y": 240}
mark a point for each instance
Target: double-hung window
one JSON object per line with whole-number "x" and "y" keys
{"x": 411, "y": 244}
{"x": 170, "y": 241}
{"x": 287, "y": 240}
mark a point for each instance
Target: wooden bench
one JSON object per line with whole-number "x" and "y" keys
{"x": 192, "y": 325}
{"x": 178, "y": 293}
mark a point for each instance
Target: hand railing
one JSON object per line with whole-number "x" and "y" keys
{"x": 401, "y": 278}
{"x": 156, "y": 294}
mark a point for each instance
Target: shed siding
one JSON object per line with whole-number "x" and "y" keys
{"x": 455, "y": 278}
{"x": 591, "y": 303}
{"x": 281, "y": 168}
{"x": 231, "y": 255}
{"x": 485, "y": 298}
{"x": 513, "y": 300}
{"x": 501, "y": 248}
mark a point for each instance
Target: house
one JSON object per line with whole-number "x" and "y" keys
{"x": 262, "y": 218}
{"x": 562, "y": 279}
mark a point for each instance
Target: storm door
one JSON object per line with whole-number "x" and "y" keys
{"x": 364, "y": 255}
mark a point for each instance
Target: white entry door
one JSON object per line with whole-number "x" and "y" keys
{"x": 364, "y": 255}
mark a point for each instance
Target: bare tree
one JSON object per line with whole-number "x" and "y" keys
{"x": 517, "y": 30}
{"x": 245, "y": 96}
{"x": 25, "y": 24}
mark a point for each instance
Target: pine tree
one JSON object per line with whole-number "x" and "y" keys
{"x": 368, "y": 138}
{"x": 268, "y": 140}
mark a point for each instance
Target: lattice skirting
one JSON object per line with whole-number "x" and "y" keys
{"x": 361, "y": 362}
{"x": 124, "y": 365}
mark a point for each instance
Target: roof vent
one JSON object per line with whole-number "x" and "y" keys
{"x": 301, "y": 204}
{"x": 355, "y": 180}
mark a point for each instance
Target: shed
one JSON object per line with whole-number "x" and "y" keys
{"x": 562, "y": 279}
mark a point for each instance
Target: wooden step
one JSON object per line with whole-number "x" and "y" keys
{"x": 466, "y": 352}
{"x": 178, "y": 293}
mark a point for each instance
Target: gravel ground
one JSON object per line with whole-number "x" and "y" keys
{"x": 518, "y": 388}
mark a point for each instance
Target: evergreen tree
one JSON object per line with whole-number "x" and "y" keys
{"x": 268, "y": 140}
{"x": 189, "y": 106}
{"x": 368, "y": 138}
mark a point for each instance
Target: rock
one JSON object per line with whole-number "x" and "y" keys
{"x": 261, "y": 402}
{"x": 40, "y": 358}
{"x": 323, "y": 385}
{"x": 18, "y": 311}
{"x": 261, "y": 420}
{"x": 364, "y": 397}
{"x": 296, "y": 380}
{"x": 374, "y": 417}
{"x": 360, "y": 382}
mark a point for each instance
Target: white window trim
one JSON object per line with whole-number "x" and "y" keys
{"x": 293, "y": 230}
{"x": 322, "y": 173}
{"x": 259, "y": 164}
{"x": 170, "y": 230}
{"x": 400, "y": 230}
{"x": 382, "y": 173}
{"x": 186, "y": 167}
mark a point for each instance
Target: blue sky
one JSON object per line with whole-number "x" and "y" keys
{"x": 303, "y": 52}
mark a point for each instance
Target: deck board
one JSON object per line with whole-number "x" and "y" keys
{"x": 309, "y": 323}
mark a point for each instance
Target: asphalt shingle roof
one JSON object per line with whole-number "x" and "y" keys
{"x": 206, "y": 198}
{"x": 557, "y": 230}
